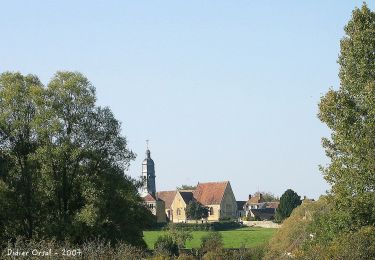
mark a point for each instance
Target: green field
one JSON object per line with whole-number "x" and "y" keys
{"x": 247, "y": 236}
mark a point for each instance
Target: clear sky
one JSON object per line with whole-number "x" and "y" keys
{"x": 224, "y": 90}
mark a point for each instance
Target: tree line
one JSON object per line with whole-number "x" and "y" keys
{"x": 62, "y": 164}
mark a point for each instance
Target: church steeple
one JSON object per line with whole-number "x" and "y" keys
{"x": 148, "y": 175}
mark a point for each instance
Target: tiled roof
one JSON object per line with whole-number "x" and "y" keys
{"x": 149, "y": 198}
{"x": 210, "y": 193}
{"x": 167, "y": 197}
{"x": 255, "y": 200}
{"x": 272, "y": 205}
{"x": 186, "y": 195}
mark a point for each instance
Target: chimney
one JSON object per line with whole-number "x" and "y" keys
{"x": 249, "y": 196}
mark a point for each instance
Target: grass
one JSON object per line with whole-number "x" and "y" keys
{"x": 247, "y": 236}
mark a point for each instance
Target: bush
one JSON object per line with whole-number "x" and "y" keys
{"x": 166, "y": 245}
{"x": 179, "y": 235}
{"x": 94, "y": 250}
{"x": 295, "y": 231}
{"x": 212, "y": 242}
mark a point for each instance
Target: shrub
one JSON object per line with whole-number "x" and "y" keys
{"x": 166, "y": 245}
{"x": 94, "y": 250}
{"x": 212, "y": 242}
{"x": 179, "y": 235}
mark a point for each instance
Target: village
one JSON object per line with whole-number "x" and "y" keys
{"x": 216, "y": 197}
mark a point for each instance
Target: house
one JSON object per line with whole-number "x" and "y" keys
{"x": 256, "y": 207}
{"x": 219, "y": 198}
{"x": 241, "y": 209}
{"x": 156, "y": 207}
{"x": 179, "y": 203}
{"x": 167, "y": 197}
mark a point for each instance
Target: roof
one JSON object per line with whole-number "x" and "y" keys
{"x": 186, "y": 195}
{"x": 240, "y": 204}
{"x": 210, "y": 193}
{"x": 167, "y": 197}
{"x": 255, "y": 200}
{"x": 272, "y": 205}
{"x": 149, "y": 198}
{"x": 264, "y": 213}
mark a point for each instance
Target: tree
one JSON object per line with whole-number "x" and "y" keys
{"x": 267, "y": 196}
{"x": 195, "y": 210}
{"x": 62, "y": 164}
{"x": 186, "y": 187}
{"x": 288, "y": 201}
{"x": 349, "y": 112}
{"x": 20, "y": 97}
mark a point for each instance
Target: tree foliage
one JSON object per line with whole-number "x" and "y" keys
{"x": 195, "y": 210}
{"x": 186, "y": 187}
{"x": 62, "y": 164}
{"x": 288, "y": 201}
{"x": 267, "y": 196}
{"x": 350, "y": 114}
{"x": 343, "y": 228}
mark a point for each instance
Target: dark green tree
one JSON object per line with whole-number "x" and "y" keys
{"x": 62, "y": 164}
{"x": 195, "y": 210}
{"x": 288, "y": 201}
{"x": 20, "y": 97}
{"x": 349, "y": 112}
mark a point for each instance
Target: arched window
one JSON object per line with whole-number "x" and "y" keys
{"x": 211, "y": 211}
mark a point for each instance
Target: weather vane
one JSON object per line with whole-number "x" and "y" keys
{"x": 147, "y": 143}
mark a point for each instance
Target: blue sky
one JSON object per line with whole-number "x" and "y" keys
{"x": 224, "y": 90}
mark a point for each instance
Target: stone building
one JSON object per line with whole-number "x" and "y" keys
{"x": 219, "y": 198}
{"x": 148, "y": 189}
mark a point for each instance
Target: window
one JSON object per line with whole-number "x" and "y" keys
{"x": 211, "y": 211}
{"x": 178, "y": 212}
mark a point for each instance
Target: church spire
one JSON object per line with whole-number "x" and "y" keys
{"x": 148, "y": 174}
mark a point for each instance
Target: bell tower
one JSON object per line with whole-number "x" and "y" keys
{"x": 148, "y": 175}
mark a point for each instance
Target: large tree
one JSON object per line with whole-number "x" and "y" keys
{"x": 63, "y": 160}
{"x": 349, "y": 112}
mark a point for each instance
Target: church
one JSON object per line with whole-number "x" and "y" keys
{"x": 218, "y": 197}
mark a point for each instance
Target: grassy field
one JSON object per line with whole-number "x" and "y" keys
{"x": 247, "y": 236}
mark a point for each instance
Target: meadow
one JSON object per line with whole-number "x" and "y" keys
{"x": 241, "y": 237}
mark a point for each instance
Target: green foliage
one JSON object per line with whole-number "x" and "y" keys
{"x": 62, "y": 164}
{"x": 288, "y": 201}
{"x": 296, "y": 229}
{"x": 212, "y": 242}
{"x": 195, "y": 210}
{"x": 166, "y": 245}
{"x": 179, "y": 235}
{"x": 350, "y": 114}
{"x": 186, "y": 187}
{"x": 267, "y": 196}
{"x": 94, "y": 250}
{"x": 253, "y": 253}
{"x": 342, "y": 224}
